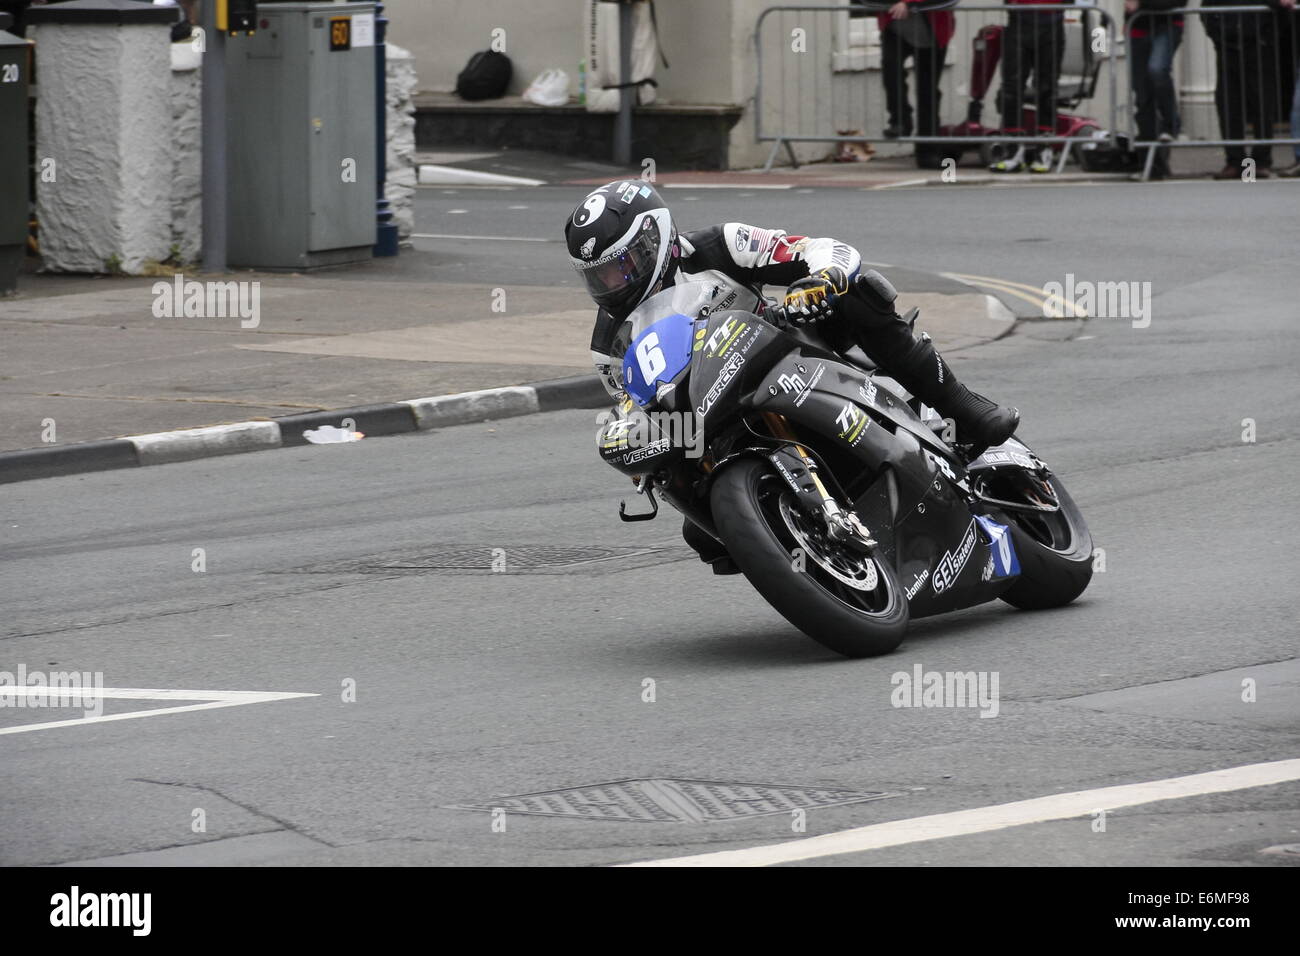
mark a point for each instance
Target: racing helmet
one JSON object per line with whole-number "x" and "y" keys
{"x": 623, "y": 244}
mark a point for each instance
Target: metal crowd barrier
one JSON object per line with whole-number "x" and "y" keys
{"x": 817, "y": 80}
{"x": 1234, "y": 72}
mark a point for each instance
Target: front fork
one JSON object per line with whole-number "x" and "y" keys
{"x": 799, "y": 470}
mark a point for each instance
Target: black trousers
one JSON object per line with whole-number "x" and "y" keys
{"x": 927, "y": 62}
{"x": 1245, "y": 87}
{"x": 1032, "y": 45}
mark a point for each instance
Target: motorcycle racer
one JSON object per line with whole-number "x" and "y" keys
{"x": 623, "y": 243}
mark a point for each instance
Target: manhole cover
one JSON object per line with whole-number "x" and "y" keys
{"x": 503, "y": 559}
{"x": 661, "y": 800}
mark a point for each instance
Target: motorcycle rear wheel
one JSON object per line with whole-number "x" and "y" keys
{"x": 1055, "y": 552}
{"x": 851, "y": 604}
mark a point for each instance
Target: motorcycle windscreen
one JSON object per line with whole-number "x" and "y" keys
{"x": 657, "y": 354}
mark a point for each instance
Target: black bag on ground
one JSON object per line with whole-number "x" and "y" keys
{"x": 485, "y": 77}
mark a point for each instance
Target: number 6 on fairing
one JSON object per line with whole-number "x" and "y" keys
{"x": 651, "y": 358}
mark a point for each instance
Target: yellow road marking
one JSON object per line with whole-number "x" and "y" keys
{"x": 1019, "y": 289}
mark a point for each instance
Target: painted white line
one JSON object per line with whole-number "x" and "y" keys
{"x": 430, "y": 174}
{"x": 901, "y": 183}
{"x": 214, "y": 699}
{"x": 728, "y": 185}
{"x": 444, "y": 235}
{"x": 940, "y": 826}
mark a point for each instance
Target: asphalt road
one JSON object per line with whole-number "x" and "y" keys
{"x": 472, "y": 686}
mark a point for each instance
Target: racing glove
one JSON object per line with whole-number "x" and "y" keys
{"x": 812, "y": 298}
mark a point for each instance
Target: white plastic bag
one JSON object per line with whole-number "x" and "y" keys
{"x": 601, "y": 28}
{"x": 551, "y": 88}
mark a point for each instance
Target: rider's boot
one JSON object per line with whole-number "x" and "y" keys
{"x": 917, "y": 365}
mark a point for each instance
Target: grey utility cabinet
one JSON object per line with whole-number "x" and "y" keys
{"x": 13, "y": 157}
{"x": 300, "y": 107}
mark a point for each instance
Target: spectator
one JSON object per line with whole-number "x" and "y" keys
{"x": 924, "y": 38}
{"x": 1293, "y": 171}
{"x": 1153, "y": 39}
{"x": 1032, "y": 44}
{"x": 1245, "y": 90}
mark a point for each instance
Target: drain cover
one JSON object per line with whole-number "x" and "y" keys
{"x": 661, "y": 800}
{"x": 503, "y": 559}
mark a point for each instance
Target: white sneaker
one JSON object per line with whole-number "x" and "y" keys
{"x": 1015, "y": 163}
{"x": 1042, "y": 162}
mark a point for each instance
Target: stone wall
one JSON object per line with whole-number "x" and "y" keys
{"x": 187, "y": 153}
{"x": 400, "y": 176}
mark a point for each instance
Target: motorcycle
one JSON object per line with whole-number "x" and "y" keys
{"x": 838, "y": 495}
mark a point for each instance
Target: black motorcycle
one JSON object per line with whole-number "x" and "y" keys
{"x": 834, "y": 492}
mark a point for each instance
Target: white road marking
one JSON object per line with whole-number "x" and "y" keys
{"x": 456, "y": 212}
{"x": 1062, "y": 806}
{"x": 443, "y": 235}
{"x": 213, "y": 699}
{"x": 901, "y": 183}
{"x": 729, "y": 185}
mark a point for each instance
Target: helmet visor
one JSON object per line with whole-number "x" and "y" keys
{"x": 625, "y": 273}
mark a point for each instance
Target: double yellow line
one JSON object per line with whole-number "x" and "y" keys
{"x": 1028, "y": 293}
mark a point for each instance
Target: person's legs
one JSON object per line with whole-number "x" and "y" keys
{"x": 1295, "y": 114}
{"x": 871, "y": 319}
{"x": 1017, "y": 61}
{"x": 929, "y": 64}
{"x": 1140, "y": 75}
{"x": 1160, "y": 78}
{"x": 1229, "y": 92}
{"x": 1049, "y": 44}
{"x": 1016, "y": 42}
{"x": 1262, "y": 77}
{"x": 893, "y": 54}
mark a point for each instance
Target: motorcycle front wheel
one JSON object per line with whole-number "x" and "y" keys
{"x": 844, "y": 600}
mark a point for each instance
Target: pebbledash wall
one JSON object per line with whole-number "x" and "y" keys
{"x": 93, "y": 145}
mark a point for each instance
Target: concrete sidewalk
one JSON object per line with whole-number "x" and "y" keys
{"x": 892, "y": 167}
{"x": 89, "y": 354}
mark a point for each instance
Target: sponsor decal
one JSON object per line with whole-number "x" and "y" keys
{"x": 645, "y": 192}
{"x": 1002, "y": 555}
{"x": 742, "y": 238}
{"x": 728, "y": 372}
{"x": 785, "y": 472}
{"x": 588, "y": 248}
{"x": 794, "y": 382}
{"x": 987, "y": 573}
{"x": 590, "y": 209}
{"x": 627, "y": 192}
{"x": 939, "y": 362}
{"x": 789, "y": 248}
{"x": 868, "y": 392}
{"x": 753, "y": 337}
{"x": 916, "y": 585}
{"x": 723, "y": 336}
{"x": 951, "y": 564}
{"x": 841, "y": 255}
{"x": 996, "y": 458}
{"x": 649, "y": 451}
{"x": 853, "y": 423}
